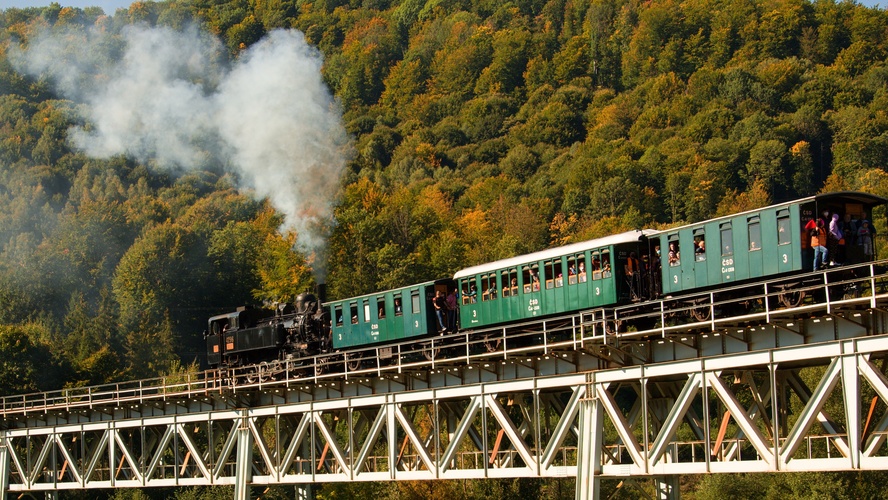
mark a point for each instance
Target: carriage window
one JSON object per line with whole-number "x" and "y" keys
{"x": 605, "y": 263}
{"x": 571, "y": 270}
{"x": 366, "y": 311}
{"x": 510, "y": 283}
{"x": 581, "y": 268}
{"x": 727, "y": 239}
{"x": 783, "y": 228}
{"x": 673, "y": 255}
{"x": 531, "y": 277}
{"x": 596, "y": 265}
{"x": 414, "y": 299}
{"x": 337, "y": 313}
{"x": 699, "y": 245}
{"x": 554, "y": 277}
{"x": 488, "y": 287}
{"x": 380, "y": 307}
{"x": 399, "y": 311}
{"x": 548, "y": 270}
{"x": 755, "y": 234}
{"x": 354, "y": 313}
{"x": 469, "y": 291}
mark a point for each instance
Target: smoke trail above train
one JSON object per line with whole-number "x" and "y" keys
{"x": 173, "y": 101}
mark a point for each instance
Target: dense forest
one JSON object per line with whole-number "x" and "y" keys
{"x": 439, "y": 134}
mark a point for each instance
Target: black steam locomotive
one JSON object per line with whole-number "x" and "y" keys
{"x": 250, "y": 336}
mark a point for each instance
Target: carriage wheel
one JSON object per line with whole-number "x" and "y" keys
{"x": 612, "y": 327}
{"x": 791, "y": 298}
{"x": 354, "y": 362}
{"x": 701, "y": 313}
{"x": 492, "y": 343}
{"x": 429, "y": 352}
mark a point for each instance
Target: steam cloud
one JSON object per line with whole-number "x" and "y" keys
{"x": 167, "y": 98}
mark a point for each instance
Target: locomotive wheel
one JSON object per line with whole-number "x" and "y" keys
{"x": 791, "y": 298}
{"x": 322, "y": 365}
{"x": 354, "y": 362}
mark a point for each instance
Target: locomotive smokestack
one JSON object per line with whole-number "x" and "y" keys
{"x": 321, "y": 292}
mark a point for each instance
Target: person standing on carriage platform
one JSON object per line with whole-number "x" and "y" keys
{"x": 818, "y": 243}
{"x": 440, "y": 304}
{"x": 451, "y": 310}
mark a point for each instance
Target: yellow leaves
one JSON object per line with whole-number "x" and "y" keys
{"x": 562, "y": 229}
{"x": 756, "y": 197}
{"x": 426, "y": 153}
{"x": 801, "y": 148}
{"x": 433, "y": 198}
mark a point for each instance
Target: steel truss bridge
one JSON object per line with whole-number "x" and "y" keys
{"x": 776, "y": 376}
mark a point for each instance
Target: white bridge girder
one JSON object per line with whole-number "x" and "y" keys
{"x": 737, "y": 413}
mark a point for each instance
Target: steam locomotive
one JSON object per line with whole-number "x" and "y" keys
{"x": 628, "y": 268}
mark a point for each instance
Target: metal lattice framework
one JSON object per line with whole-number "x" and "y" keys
{"x": 766, "y": 411}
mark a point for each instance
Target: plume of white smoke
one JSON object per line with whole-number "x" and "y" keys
{"x": 165, "y": 98}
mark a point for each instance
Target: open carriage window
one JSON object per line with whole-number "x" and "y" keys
{"x": 699, "y": 245}
{"x": 754, "y": 228}
{"x": 571, "y": 270}
{"x": 531, "y": 275}
{"x": 554, "y": 274}
{"x": 605, "y": 263}
{"x": 488, "y": 287}
{"x": 380, "y": 307}
{"x": 337, "y": 313}
{"x": 596, "y": 265}
{"x": 581, "y": 268}
{"x": 784, "y": 228}
{"x": 354, "y": 312}
{"x": 399, "y": 309}
{"x": 510, "y": 283}
{"x": 673, "y": 253}
{"x": 468, "y": 292}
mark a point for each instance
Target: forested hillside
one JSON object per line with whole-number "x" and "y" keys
{"x": 476, "y": 130}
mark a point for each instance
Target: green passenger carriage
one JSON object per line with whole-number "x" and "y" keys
{"x": 577, "y": 276}
{"x": 764, "y": 242}
{"x": 389, "y": 316}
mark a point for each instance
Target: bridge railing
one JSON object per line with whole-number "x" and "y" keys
{"x": 862, "y": 285}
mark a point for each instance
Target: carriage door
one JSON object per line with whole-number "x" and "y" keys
{"x": 701, "y": 270}
{"x": 726, "y": 239}
{"x": 673, "y": 264}
{"x": 755, "y": 255}
{"x": 785, "y": 251}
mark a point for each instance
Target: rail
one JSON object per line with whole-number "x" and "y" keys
{"x": 836, "y": 290}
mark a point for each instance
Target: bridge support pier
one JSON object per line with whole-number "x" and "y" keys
{"x": 591, "y": 423}
{"x": 304, "y": 492}
{"x": 668, "y": 487}
{"x": 244, "y": 467}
